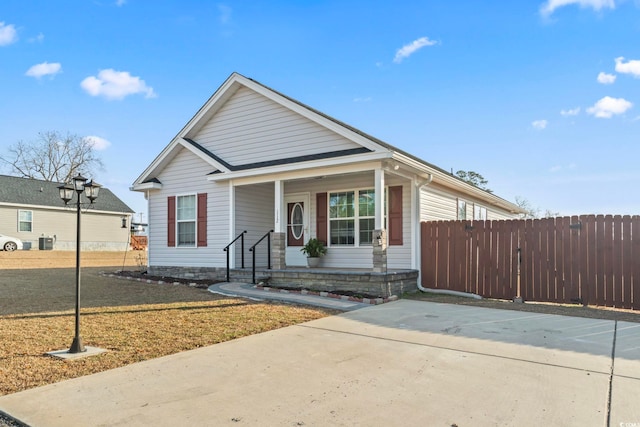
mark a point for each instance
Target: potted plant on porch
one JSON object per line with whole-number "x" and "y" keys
{"x": 314, "y": 249}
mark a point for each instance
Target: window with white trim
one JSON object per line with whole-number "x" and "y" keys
{"x": 462, "y": 210}
{"x": 342, "y": 213}
{"x": 351, "y": 220}
{"x": 25, "y": 221}
{"x": 479, "y": 212}
{"x": 366, "y": 215}
{"x": 186, "y": 220}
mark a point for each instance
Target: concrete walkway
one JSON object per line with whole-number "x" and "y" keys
{"x": 404, "y": 363}
{"x": 247, "y": 290}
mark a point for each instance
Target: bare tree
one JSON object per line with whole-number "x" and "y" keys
{"x": 548, "y": 213}
{"x": 475, "y": 179}
{"x": 53, "y": 157}
{"x": 530, "y": 211}
{"x": 533, "y": 212}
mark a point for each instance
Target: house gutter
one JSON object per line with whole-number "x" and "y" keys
{"x": 432, "y": 290}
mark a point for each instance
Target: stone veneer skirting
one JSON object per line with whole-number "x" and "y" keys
{"x": 371, "y": 283}
{"x": 359, "y": 282}
{"x": 196, "y": 273}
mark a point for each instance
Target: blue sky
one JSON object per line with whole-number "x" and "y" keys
{"x": 541, "y": 97}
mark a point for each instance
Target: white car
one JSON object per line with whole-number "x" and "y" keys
{"x": 8, "y": 243}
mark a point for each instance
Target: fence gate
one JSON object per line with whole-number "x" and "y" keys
{"x": 592, "y": 260}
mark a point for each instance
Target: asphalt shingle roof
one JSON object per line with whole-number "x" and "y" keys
{"x": 27, "y": 191}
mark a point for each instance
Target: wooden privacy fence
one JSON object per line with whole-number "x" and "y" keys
{"x": 593, "y": 260}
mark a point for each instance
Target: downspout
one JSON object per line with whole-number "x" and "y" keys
{"x": 420, "y": 186}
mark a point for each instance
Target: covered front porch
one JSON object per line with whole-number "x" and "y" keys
{"x": 366, "y": 215}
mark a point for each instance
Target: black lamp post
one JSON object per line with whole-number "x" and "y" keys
{"x": 90, "y": 189}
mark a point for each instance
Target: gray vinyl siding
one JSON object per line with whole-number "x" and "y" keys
{"x": 400, "y": 256}
{"x": 358, "y": 257}
{"x": 436, "y": 204}
{"x": 439, "y": 204}
{"x": 254, "y": 213}
{"x": 251, "y": 128}
{"x": 493, "y": 213}
{"x": 187, "y": 174}
{"x": 99, "y": 230}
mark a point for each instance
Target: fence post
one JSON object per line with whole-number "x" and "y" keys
{"x": 518, "y": 298}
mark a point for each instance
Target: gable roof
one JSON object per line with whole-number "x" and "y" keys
{"x": 371, "y": 147}
{"x": 34, "y": 192}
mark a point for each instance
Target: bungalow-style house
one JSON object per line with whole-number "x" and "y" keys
{"x": 31, "y": 210}
{"x": 255, "y": 160}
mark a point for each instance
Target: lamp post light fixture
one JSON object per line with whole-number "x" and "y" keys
{"x": 90, "y": 189}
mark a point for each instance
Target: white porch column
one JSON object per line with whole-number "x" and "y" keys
{"x": 379, "y": 189}
{"x": 379, "y": 237}
{"x": 279, "y": 227}
{"x": 278, "y": 204}
{"x": 232, "y": 221}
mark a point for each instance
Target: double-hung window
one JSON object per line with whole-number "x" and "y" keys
{"x": 186, "y": 220}
{"x": 462, "y": 209}
{"x": 25, "y": 220}
{"x": 366, "y": 215}
{"x": 352, "y": 217}
{"x": 342, "y": 213}
{"x": 479, "y": 212}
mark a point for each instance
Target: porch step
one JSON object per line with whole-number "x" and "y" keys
{"x": 245, "y": 275}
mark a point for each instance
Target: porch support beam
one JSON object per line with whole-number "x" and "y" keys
{"x": 278, "y": 248}
{"x": 278, "y": 205}
{"x": 379, "y": 238}
{"x": 232, "y": 221}
{"x": 379, "y": 190}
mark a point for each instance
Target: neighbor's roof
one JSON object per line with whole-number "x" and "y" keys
{"x": 35, "y": 192}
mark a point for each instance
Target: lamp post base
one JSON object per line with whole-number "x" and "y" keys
{"x": 77, "y": 346}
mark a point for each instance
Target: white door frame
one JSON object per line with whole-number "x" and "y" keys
{"x": 293, "y": 255}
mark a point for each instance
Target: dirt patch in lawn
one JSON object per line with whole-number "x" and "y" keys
{"x": 67, "y": 259}
{"x": 133, "y": 320}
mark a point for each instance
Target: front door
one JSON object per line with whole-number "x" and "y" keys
{"x": 297, "y": 228}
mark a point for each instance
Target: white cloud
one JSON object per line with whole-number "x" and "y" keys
{"x": 363, "y": 99}
{"x": 409, "y": 49}
{"x": 570, "y": 112}
{"x": 8, "y": 34}
{"x": 551, "y": 5}
{"x": 44, "y": 69}
{"x": 114, "y": 84}
{"x": 37, "y": 39}
{"x": 630, "y": 67}
{"x": 539, "y": 124}
{"x": 225, "y": 13}
{"x": 120, "y": 2}
{"x": 558, "y": 168}
{"x": 608, "y": 106}
{"x": 606, "y": 79}
{"x": 99, "y": 144}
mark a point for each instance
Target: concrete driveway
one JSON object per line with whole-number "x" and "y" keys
{"x": 405, "y": 363}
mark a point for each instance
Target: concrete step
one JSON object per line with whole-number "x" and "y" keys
{"x": 245, "y": 275}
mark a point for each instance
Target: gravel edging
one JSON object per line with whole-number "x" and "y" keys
{"x": 373, "y": 301}
{"x": 7, "y": 420}
{"x": 201, "y": 284}
{"x": 205, "y": 284}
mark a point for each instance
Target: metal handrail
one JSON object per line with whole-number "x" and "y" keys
{"x": 226, "y": 249}
{"x": 252, "y": 249}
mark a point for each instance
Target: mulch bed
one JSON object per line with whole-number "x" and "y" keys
{"x": 142, "y": 275}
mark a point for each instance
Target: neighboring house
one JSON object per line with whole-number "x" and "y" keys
{"x": 256, "y": 160}
{"x": 32, "y": 210}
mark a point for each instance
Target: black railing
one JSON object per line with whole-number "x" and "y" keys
{"x": 226, "y": 249}
{"x": 252, "y": 249}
